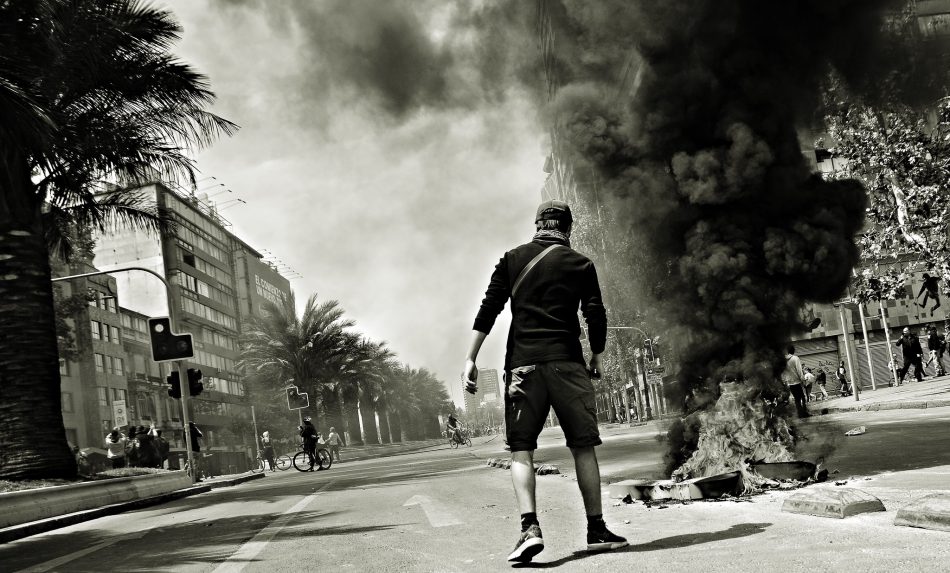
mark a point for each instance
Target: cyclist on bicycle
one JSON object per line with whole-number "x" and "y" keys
{"x": 453, "y": 429}
{"x": 309, "y": 434}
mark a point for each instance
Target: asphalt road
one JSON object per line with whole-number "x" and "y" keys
{"x": 443, "y": 510}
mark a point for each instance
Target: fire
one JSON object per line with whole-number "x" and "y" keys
{"x": 739, "y": 429}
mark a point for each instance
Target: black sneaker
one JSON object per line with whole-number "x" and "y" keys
{"x": 529, "y": 544}
{"x": 604, "y": 541}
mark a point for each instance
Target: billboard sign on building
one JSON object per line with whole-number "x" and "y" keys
{"x": 120, "y": 414}
{"x": 264, "y": 285}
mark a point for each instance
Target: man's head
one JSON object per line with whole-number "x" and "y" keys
{"x": 906, "y": 331}
{"x": 790, "y": 349}
{"x": 332, "y": 429}
{"x": 554, "y": 216}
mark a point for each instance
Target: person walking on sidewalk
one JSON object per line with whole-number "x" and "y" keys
{"x": 842, "y": 374}
{"x": 794, "y": 378}
{"x": 821, "y": 379}
{"x": 913, "y": 356}
{"x": 547, "y": 281}
{"x": 334, "y": 441}
{"x": 809, "y": 383}
{"x": 935, "y": 346}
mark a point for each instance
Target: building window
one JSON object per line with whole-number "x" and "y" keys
{"x": 63, "y": 367}
{"x": 119, "y": 394}
{"x": 188, "y": 258}
{"x": 96, "y": 330}
{"x": 103, "y": 396}
{"x": 100, "y": 362}
{"x": 110, "y": 304}
{"x": 67, "y": 399}
{"x": 126, "y": 321}
{"x": 114, "y": 334}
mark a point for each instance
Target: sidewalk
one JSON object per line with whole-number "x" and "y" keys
{"x": 932, "y": 393}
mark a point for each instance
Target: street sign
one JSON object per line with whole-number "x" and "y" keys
{"x": 654, "y": 379}
{"x": 168, "y": 346}
{"x": 297, "y": 400}
{"x": 120, "y": 415}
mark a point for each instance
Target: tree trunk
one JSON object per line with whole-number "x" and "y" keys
{"x": 368, "y": 414}
{"x": 332, "y": 412}
{"x": 32, "y": 435}
{"x": 351, "y": 414}
{"x": 395, "y": 425}
{"x": 385, "y": 436}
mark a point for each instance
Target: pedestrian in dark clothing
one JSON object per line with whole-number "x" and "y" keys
{"x": 913, "y": 355}
{"x": 935, "y": 345}
{"x": 309, "y": 434}
{"x": 196, "y": 435}
{"x": 163, "y": 447}
{"x": 547, "y": 282}
{"x": 842, "y": 374}
{"x": 821, "y": 380}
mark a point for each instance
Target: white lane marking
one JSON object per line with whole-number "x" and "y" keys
{"x": 60, "y": 561}
{"x": 437, "y": 514}
{"x": 247, "y": 552}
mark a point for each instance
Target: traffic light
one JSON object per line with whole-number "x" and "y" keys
{"x": 174, "y": 385}
{"x": 195, "y": 386}
{"x": 296, "y": 399}
{"x": 166, "y": 345}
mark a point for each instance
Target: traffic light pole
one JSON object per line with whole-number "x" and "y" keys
{"x": 180, "y": 364}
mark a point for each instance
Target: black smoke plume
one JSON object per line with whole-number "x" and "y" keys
{"x": 701, "y": 151}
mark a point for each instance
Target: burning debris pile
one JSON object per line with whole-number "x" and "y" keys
{"x": 738, "y": 425}
{"x": 701, "y": 155}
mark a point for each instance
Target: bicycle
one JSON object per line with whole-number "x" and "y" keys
{"x": 321, "y": 458}
{"x": 462, "y": 439}
{"x": 259, "y": 464}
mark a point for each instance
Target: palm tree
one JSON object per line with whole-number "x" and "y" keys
{"x": 87, "y": 90}
{"x": 373, "y": 372}
{"x": 280, "y": 346}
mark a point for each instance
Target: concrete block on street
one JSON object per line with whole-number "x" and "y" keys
{"x": 930, "y": 512}
{"x": 938, "y": 403}
{"x": 838, "y": 502}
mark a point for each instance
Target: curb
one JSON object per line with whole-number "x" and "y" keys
{"x": 881, "y": 406}
{"x": 827, "y": 502}
{"x": 32, "y": 528}
{"x": 232, "y": 481}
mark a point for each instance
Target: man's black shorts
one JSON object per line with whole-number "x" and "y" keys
{"x": 530, "y": 392}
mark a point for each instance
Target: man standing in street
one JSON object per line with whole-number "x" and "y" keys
{"x": 547, "y": 282}
{"x": 913, "y": 355}
{"x": 196, "y": 450}
{"x": 794, "y": 377}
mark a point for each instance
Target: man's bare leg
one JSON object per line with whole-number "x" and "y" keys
{"x": 522, "y": 478}
{"x": 588, "y": 478}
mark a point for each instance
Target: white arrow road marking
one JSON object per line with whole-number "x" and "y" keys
{"x": 60, "y": 561}
{"x": 247, "y": 552}
{"x": 437, "y": 514}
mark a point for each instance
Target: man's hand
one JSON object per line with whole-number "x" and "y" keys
{"x": 470, "y": 377}
{"x": 594, "y": 368}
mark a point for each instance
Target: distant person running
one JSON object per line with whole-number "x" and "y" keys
{"x": 842, "y": 374}
{"x": 821, "y": 380}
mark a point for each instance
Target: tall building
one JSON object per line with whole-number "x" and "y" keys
{"x": 488, "y": 390}
{"x": 93, "y": 372}
{"x": 217, "y": 283}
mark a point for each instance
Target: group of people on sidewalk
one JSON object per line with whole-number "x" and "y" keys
{"x": 143, "y": 447}
{"x": 913, "y": 354}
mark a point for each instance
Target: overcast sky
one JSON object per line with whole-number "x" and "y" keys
{"x": 393, "y": 196}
